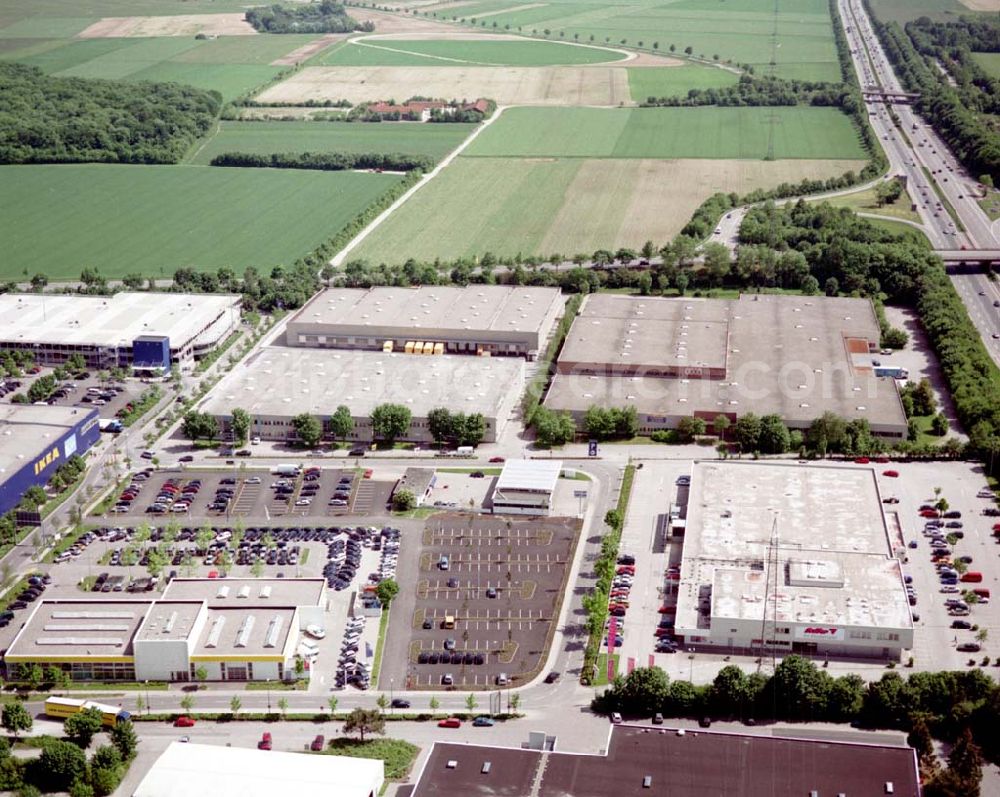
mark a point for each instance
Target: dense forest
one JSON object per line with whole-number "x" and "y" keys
{"x": 325, "y": 17}
{"x": 46, "y": 119}
{"x": 956, "y": 112}
{"x": 326, "y": 161}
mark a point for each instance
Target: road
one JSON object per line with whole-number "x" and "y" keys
{"x": 934, "y": 178}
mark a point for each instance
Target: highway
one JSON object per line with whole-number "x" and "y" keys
{"x": 935, "y": 181}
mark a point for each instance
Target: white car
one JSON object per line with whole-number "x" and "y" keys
{"x": 315, "y": 631}
{"x": 303, "y": 502}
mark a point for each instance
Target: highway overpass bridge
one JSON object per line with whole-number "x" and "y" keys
{"x": 968, "y": 260}
{"x": 904, "y": 97}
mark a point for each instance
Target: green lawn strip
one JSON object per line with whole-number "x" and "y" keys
{"x": 142, "y": 405}
{"x": 602, "y": 669}
{"x": 420, "y": 513}
{"x": 113, "y": 686}
{"x": 534, "y": 391}
{"x": 899, "y": 228}
{"x": 165, "y": 217}
{"x": 304, "y": 557}
{"x": 991, "y": 203}
{"x": 383, "y": 626}
{"x": 56, "y": 501}
{"x": 276, "y": 686}
{"x": 208, "y": 361}
{"x": 398, "y": 755}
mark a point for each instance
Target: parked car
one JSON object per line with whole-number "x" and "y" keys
{"x": 265, "y": 742}
{"x": 451, "y": 722}
{"x": 317, "y": 744}
{"x": 483, "y": 722}
{"x": 184, "y": 722}
{"x": 400, "y": 703}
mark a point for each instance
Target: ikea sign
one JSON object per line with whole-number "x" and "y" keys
{"x": 46, "y": 459}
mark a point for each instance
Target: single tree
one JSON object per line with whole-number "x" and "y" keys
{"x": 308, "y": 428}
{"x": 341, "y": 423}
{"x": 434, "y": 704}
{"x": 201, "y": 673}
{"x": 82, "y": 727}
{"x": 386, "y": 591}
{"x": 123, "y": 737}
{"x": 403, "y": 500}
{"x": 283, "y": 705}
{"x": 362, "y": 721}
{"x": 382, "y": 702}
{"x": 390, "y": 422}
{"x": 15, "y": 718}
{"x": 240, "y": 424}
{"x": 187, "y": 703}
{"x": 470, "y": 702}
{"x": 332, "y": 702}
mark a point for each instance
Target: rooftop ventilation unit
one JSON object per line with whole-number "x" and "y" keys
{"x": 244, "y": 635}
{"x": 273, "y": 628}
{"x": 215, "y": 632}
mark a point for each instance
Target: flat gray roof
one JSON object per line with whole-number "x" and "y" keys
{"x": 98, "y": 629}
{"x": 252, "y": 631}
{"x": 108, "y": 320}
{"x": 475, "y": 307}
{"x": 796, "y": 356}
{"x": 238, "y": 592}
{"x": 833, "y": 545}
{"x": 170, "y": 620}
{"x": 529, "y": 475}
{"x": 27, "y": 431}
{"x": 285, "y": 381}
{"x": 649, "y": 332}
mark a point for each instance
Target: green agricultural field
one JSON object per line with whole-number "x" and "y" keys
{"x": 230, "y": 66}
{"x": 411, "y": 138}
{"x": 903, "y": 11}
{"x": 451, "y": 216}
{"x": 153, "y": 219}
{"x": 645, "y": 82}
{"x": 504, "y": 53}
{"x": 703, "y": 132}
{"x": 988, "y": 61}
{"x": 796, "y": 34}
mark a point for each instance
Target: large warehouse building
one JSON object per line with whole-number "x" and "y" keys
{"x": 238, "y": 629}
{"x": 146, "y": 331}
{"x": 794, "y": 356}
{"x": 35, "y": 441}
{"x": 211, "y": 770}
{"x": 643, "y": 761}
{"x": 479, "y": 320}
{"x": 799, "y": 559}
{"x": 280, "y": 382}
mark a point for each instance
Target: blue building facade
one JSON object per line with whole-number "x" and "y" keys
{"x": 39, "y": 469}
{"x": 151, "y": 353}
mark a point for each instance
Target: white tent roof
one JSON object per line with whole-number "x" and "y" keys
{"x": 531, "y": 475}
{"x": 203, "y": 770}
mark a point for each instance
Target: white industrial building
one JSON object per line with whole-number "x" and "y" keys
{"x": 484, "y": 320}
{"x": 792, "y": 558}
{"x": 237, "y": 629}
{"x": 526, "y": 486}
{"x": 280, "y": 382}
{"x": 108, "y": 331}
{"x": 209, "y": 770}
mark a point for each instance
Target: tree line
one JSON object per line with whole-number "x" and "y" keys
{"x": 46, "y": 119}
{"x": 326, "y": 161}
{"x": 951, "y": 110}
{"x": 962, "y": 708}
{"x": 752, "y": 91}
{"x": 326, "y": 16}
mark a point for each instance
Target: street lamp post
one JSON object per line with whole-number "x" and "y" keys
{"x": 148, "y": 707}
{"x": 390, "y": 694}
{"x": 268, "y": 695}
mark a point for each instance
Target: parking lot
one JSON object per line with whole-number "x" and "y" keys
{"x": 194, "y": 495}
{"x": 109, "y": 397}
{"x": 482, "y": 608}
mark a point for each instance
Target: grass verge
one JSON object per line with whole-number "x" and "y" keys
{"x": 383, "y": 626}
{"x": 276, "y": 686}
{"x": 602, "y": 669}
{"x": 65, "y": 543}
{"x": 55, "y": 502}
{"x": 397, "y": 754}
{"x": 533, "y": 393}
{"x": 207, "y": 362}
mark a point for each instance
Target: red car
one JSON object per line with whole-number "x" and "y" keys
{"x": 664, "y": 632}
{"x": 667, "y": 609}
{"x": 317, "y": 744}
{"x": 265, "y": 742}
{"x": 892, "y": 474}
{"x": 451, "y": 722}
{"x": 497, "y": 459}
{"x": 930, "y": 513}
{"x": 861, "y": 460}
{"x": 213, "y": 573}
{"x": 368, "y": 473}
{"x": 184, "y": 722}
{"x": 626, "y": 569}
